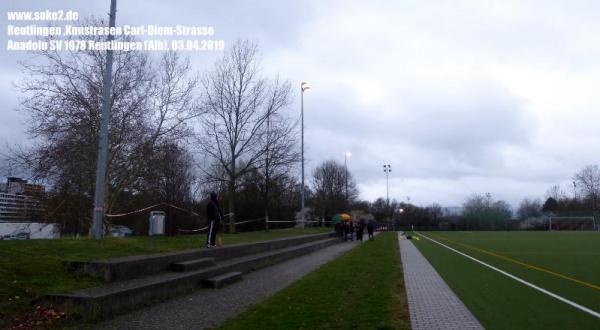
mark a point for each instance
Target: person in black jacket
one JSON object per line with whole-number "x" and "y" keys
{"x": 360, "y": 229}
{"x": 214, "y": 215}
{"x": 371, "y": 229}
{"x": 338, "y": 229}
{"x": 345, "y": 230}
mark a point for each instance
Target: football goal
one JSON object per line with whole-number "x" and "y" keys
{"x": 572, "y": 223}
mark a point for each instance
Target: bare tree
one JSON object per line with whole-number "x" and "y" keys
{"x": 62, "y": 97}
{"x": 172, "y": 103}
{"x": 280, "y": 152}
{"x": 482, "y": 212}
{"x": 556, "y": 193}
{"x": 170, "y": 178}
{"x": 529, "y": 208}
{"x": 238, "y": 102}
{"x": 329, "y": 184}
{"x": 382, "y": 210}
{"x": 587, "y": 181}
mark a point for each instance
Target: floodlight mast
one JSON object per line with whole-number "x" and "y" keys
{"x": 347, "y": 155}
{"x": 387, "y": 169}
{"x": 98, "y": 214}
{"x": 304, "y": 86}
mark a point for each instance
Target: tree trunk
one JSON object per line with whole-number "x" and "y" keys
{"x": 594, "y": 207}
{"x": 266, "y": 197}
{"x": 232, "y": 198}
{"x": 231, "y": 207}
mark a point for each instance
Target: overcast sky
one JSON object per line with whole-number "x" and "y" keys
{"x": 460, "y": 97}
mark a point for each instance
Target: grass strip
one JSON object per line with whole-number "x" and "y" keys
{"x": 362, "y": 289}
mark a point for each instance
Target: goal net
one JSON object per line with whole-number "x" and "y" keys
{"x": 572, "y": 223}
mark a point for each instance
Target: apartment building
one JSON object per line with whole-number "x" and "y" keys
{"x": 21, "y": 201}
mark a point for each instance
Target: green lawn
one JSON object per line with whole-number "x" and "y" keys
{"x": 565, "y": 263}
{"x": 363, "y": 289}
{"x": 33, "y": 268}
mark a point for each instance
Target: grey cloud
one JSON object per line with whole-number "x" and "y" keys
{"x": 465, "y": 119}
{"x": 447, "y": 121}
{"x": 453, "y": 133}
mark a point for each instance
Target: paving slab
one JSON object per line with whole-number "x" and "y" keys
{"x": 209, "y": 307}
{"x": 431, "y": 302}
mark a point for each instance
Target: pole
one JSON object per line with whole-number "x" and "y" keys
{"x": 387, "y": 185}
{"x": 98, "y": 215}
{"x": 346, "y": 174}
{"x": 267, "y": 180}
{"x": 387, "y": 169}
{"x": 302, "y": 129}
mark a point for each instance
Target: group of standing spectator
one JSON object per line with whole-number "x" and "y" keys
{"x": 351, "y": 230}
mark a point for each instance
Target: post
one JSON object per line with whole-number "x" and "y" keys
{"x": 267, "y": 179}
{"x": 302, "y": 147}
{"x": 231, "y": 201}
{"x": 387, "y": 187}
{"x": 387, "y": 169}
{"x": 346, "y": 174}
{"x": 303, "y": 87}
{"x": 98, "y": 215}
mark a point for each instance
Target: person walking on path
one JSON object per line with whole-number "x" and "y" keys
{"x": 214, "y": 215}
{"x": 371, "y": 229}
{"x": 345, "y": 230}
{"x": 360, "y": 230}
{"x": 338, "y": 229}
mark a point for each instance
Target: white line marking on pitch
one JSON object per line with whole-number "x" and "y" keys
{"x": 518, "y": 279}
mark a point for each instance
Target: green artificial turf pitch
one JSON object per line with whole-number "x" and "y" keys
{"x": 564, "y": 263}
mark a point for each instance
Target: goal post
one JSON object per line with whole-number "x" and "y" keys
{"x": 573, "y": 223}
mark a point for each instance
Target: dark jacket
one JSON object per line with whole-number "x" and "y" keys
{"x": 371, "y": 225}
{"x": 213, "y": 211}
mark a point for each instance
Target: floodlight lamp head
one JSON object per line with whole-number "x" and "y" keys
{"x": 304, "y": 86}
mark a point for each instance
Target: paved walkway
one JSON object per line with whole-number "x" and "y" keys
{"x": 431, "y": 303}
{"x": 208, "y": 308}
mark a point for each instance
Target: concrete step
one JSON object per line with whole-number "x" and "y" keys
{"x": 185, "y": 266}
{"x": 118, "y": 297}
{"x": 125, "y": 268}
{"x": 220, "y": 281}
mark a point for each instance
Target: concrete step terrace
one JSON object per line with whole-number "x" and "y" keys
{"x": 117, "y": 297}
